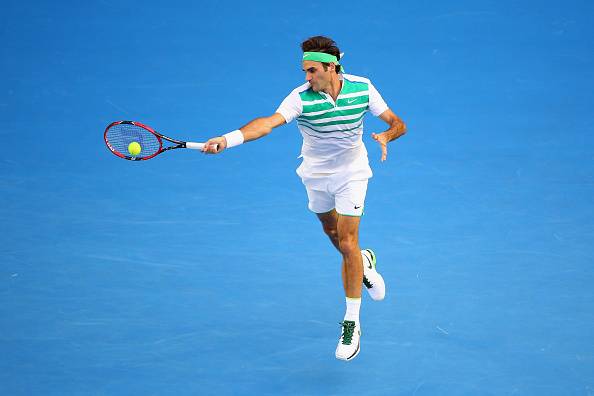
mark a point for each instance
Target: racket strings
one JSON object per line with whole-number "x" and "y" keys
{"x": 120, "y": 136}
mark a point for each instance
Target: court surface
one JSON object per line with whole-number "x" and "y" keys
{"x": 195, "y": 275}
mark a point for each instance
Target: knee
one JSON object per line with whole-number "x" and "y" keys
{"x": 348, "y": 244}
{"x": 332, "y": 232}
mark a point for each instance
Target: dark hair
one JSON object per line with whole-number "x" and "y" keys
{"x": 322, "y": 44}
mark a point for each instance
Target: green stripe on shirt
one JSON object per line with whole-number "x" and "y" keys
{"x": 309, "y": 95}
{"x": 336, "y": 113}
{"x": 352, "y": 87}
{"x": 338, "y": 122}
{"x": 317, "y": 107}
{"x": 313, "y": 128}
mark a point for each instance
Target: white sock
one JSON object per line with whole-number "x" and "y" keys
{"x": 353, "y": 305}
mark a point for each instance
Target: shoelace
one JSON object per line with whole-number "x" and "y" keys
{"x": 348, "y": 328}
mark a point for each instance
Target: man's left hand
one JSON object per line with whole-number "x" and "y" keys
{"x": 382, "y": 139}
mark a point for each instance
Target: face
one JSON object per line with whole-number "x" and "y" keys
{"x": 318, "y": 78}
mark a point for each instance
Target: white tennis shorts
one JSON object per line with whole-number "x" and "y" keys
{"x": 347, "y": 197}
{"x": 343, "y": 190}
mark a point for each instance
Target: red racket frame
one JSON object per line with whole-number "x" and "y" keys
{"x": 160, "y": 137}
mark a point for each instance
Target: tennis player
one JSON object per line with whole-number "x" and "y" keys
{"x": 329, "y": 110}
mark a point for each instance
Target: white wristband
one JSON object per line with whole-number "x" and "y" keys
{"x": 234, "y": 138}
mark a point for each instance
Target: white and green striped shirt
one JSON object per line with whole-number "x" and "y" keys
{"x": 332, "y": 132}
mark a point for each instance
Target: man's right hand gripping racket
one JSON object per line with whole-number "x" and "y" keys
{"x": 134, "y": 141}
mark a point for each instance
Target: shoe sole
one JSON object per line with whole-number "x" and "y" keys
{"x": 372, "y": 255}
{"x": 354, "y": 355}
{"x": 371, "y": 259}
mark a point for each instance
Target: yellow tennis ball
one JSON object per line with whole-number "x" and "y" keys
{"x": 134, "y": 148}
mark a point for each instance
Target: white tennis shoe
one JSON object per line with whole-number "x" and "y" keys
{"x": 373, "y": 281}
{"x": 349, "y": 344}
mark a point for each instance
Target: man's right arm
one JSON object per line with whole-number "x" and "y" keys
{"x": 253, "y": 130}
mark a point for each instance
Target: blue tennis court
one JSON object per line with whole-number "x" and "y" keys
{"x": 202, "y": 275}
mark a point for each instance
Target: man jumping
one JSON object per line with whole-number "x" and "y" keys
{"x": 329, "y": 109}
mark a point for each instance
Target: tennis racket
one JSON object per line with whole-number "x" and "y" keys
{"x": 120, "y": 134}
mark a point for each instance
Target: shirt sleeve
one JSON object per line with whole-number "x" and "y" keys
{"x": 377, "y": 105}
{"x": 291, "y": 107}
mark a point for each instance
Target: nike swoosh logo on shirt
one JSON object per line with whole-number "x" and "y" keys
{"x": 349, "y": 101}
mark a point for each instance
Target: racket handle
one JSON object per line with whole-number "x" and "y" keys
{"x": 194, "y": 146}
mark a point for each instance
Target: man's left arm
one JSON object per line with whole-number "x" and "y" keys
{"x": 397, "y": 128}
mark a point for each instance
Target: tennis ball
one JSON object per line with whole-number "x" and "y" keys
{"x": 134, "y": 148}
